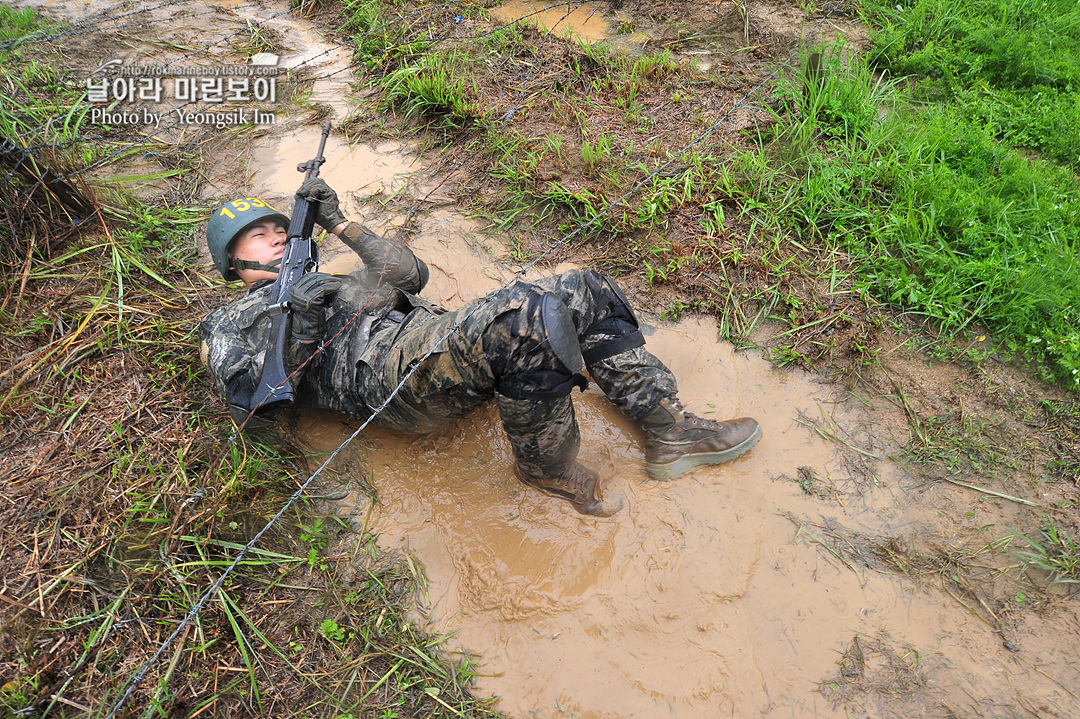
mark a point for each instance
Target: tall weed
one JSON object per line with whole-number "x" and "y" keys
{"x": 437, "y": 86}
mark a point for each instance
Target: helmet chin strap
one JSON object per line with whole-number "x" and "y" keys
{"x": 274, "y": 266}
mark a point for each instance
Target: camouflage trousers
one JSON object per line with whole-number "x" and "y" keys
{"x": 525, "y": 346}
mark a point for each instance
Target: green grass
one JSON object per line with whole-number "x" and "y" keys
{"x": 435, "y": 88}
{"x": 936, "y": 173}
{"x": 1013, "y": 67}
{"x": 1053, "y": 552}
{"x": 999, "y": 148}
{"x": 942, "y": 217}
{"x": 942, "y": 165}
{"x": 16, "y": 24}
{"x": 364, "y": 23}
{"x": 385, "y": 35}
{"x": 37, "y": 98}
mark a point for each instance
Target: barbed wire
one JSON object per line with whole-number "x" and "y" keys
{"x": 414, "y": 366}
{"x": 43, "y": 36}
{"x": 536, "y": 62}
{"x": 190, "y": 16}
{"x": 356, "y": 315}
{"x": 355, "y": 40}
{"x": 447, "y": 36}
{"x": 230, "y": 36}
{"x": 160, "y": 131}
{"x": 576, "y": 5}
{"x": 241, "y": 30}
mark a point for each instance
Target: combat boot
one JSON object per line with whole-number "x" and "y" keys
{"x": 578, "y": 485}
{"x": 677, "y": 441}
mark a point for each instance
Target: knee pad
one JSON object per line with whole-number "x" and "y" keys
{"x": 618, "y": 319}
{"x": 548, "y": 321}
{"x": 558, "y": 329}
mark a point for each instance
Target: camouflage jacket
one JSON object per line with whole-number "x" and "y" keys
{"x": 234, "y": 338}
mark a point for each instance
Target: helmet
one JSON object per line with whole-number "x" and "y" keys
{"x": 229, "y": 222}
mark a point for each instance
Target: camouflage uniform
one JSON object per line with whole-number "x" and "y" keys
{"x": 524, "y": 345}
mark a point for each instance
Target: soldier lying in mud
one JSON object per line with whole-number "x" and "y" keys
{"x": 524, "y": 345}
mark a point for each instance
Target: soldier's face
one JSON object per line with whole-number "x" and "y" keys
{"x": 262, "y": 243}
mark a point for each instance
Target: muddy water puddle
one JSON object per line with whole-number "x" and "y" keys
{"x": 304, "y": 50}
{"x": 202, "y": 32}
{"x": 700, "y": 599}
{"x": 716, "y": 36}
{"x": 656, "y": 612}
{"x": 708, "y": 596}
{"x": 590, "y": 21}
{"x": 464, "y": 262}
{"x": 358, "y": 170}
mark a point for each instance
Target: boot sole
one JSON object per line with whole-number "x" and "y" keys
{"x": 682, "y": 465}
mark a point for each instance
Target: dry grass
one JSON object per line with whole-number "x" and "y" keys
{"x": 878, "y": 668}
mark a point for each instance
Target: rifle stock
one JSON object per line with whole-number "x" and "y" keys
{"x": 274, "y": 388}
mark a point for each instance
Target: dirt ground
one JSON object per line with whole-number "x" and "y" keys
{"x": 865, "y": 559}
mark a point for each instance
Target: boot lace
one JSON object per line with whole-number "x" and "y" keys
{"x": 575, "y": 480}
{"x": 688, "y": 420}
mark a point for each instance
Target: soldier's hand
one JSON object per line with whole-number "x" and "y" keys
{"x": 311, "y": 294}
{"x": 328, "y": 215}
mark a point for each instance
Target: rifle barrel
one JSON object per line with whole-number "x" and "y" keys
{"x": 311, "y": 167}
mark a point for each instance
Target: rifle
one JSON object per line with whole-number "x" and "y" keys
{"x": 301, "y": 256}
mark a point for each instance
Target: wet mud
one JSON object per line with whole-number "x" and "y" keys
{"x": 708, "y": 34}
{"x": 702, "y": 597}
{"x": 305, "y": 52}
{"x": 589, "y": 22}
{"x": 366, "y": 170}
{"x": 718, "y": 594}
{"x": 707, "y": 596}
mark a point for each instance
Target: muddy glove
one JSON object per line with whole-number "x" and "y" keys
{"x": 310, "y": 296}
{"x": 329, "y": 213}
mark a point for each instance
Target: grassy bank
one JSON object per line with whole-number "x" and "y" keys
{"x": 125, "y": 494}
{"x": 934, "y": 173}
{"x": 929, "y": 162}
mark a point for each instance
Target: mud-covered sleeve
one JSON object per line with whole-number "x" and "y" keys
{"x": 385, "y": 261}
{"x": 233, "y": 342}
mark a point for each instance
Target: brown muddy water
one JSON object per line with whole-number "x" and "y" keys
{"x": 703, "y": 597}
{"x": 584, "y": 21}
{"x": 366, "y": 171}
{"x": 708, "y": 596}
